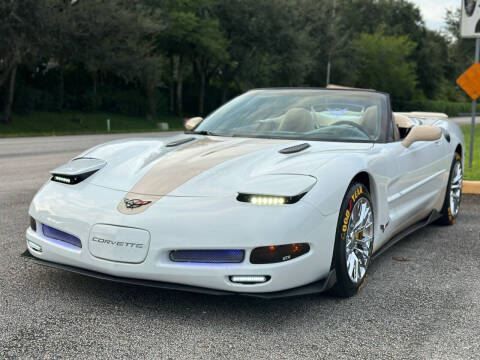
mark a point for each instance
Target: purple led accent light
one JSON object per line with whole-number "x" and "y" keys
{"x": 61, "y": 236}
{"x": 208, "y": 256}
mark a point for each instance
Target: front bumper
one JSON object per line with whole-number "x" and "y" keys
{"x": 313, "y": 288}
{"x": 186, "y": 223}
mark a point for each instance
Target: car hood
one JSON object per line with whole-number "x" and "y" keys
{"x": 211, "y": 165}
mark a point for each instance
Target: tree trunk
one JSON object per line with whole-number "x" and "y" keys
{"x": 61, "y": 96}
{"x": 172, "y": 86}
{"x": 180, "y": 87}
{"x": 94, "y": 78}
{"x": 7, "y": 111}
{"x": 224, "y": 91}
{"x": 4, "y": 75}
{"x": 151, "y": 108}
{"x": 201, "y": 93}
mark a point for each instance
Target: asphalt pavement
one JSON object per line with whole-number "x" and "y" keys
{"x": 425, "y": 306}
{"x": 465, "y": 120}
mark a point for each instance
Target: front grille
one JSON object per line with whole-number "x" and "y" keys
{"x": 207, "y": 256}
{"x": 55, "y": 234}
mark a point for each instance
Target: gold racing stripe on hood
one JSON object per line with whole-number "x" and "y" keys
{"x": 184, "y": 164}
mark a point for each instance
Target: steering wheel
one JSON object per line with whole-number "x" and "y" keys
{"x": 354, "y": 124}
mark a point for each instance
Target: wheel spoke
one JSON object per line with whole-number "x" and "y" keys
{"x": 352, "y": 266}
{"x": 359, "y": 240}
{"x": 362, "y": 255}
{"x": 456, "y": 188}
{"x": 457, "y": 178}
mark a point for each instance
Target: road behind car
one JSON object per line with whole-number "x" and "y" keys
{"x": 420, "y": 300}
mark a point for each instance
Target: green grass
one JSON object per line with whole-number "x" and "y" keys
{"x": 474, "y": 172}
{"x": 71, "y": 123}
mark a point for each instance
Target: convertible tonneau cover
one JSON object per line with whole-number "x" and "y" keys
{"x": 423, "y": 115}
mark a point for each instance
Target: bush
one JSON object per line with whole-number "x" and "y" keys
{"x": 450, "y": 108}
{"x": 123, "y": 101}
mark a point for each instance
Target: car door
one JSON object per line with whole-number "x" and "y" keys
{"x": 419, "y": 182}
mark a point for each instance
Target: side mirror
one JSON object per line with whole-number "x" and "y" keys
{"x": 192, "y": 123}
{"x": 422, "y": 133}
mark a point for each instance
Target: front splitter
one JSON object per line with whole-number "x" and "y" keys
{"x": 313, "y": 288}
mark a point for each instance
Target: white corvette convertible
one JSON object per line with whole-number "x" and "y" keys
{"x": 279, "y": 192}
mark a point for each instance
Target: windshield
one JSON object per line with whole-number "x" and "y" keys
{"x": 328, "y": 115}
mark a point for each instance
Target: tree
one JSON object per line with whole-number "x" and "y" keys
{"x": 431, "y": 56}
{"x": 400, "y": 18}
{"x": 461, "y": 51}
{"x": 22, "y": 34}
{"x": 268, "y": 45}
{"x": 382, "y": 63}
{"x": 121, "y": 43}
{"x": 209, "y": 53}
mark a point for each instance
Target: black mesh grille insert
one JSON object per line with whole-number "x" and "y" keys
{"x": 208, "y": 256}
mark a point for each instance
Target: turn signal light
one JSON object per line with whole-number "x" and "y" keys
{"x": 278, "y": 253}
{"x": 33, "y": 224}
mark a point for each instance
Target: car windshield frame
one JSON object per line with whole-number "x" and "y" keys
{"x": 212, "y": 123}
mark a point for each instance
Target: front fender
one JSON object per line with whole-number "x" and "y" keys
{"x": 333, "y": 180}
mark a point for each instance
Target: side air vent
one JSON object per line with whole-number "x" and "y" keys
{"x": 294, "y": 149}
{"x": 58, "y": 235}
{"x": 179, "y": 142}
{"x": 446, "y": 134}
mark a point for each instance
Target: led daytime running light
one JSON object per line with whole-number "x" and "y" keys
{"x": 267, "y": 200}
{"x": 62, "y": 179}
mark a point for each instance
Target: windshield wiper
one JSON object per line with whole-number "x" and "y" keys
{"x": 206, "y": 132}
{"x": 202, "y": 132}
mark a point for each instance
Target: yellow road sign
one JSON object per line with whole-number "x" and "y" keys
{"x": 470, "y": 81}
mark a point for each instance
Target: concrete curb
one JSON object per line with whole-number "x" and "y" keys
{"x": 471, "y": 187}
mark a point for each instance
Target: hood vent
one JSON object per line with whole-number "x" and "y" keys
{"x": 294, "y": 149}
{"x": 179, "y": 142}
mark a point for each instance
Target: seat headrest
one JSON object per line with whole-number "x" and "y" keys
{"x": 402, "y": 121}
{"x": 370, "y": 121}
{"x": 297, "y": 120}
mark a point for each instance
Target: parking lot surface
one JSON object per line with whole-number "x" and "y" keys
{"x": 424, "y": 307}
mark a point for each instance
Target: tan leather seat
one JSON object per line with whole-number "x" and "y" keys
{"x": 297, "y": 120}
{"x": 370, "y": 121}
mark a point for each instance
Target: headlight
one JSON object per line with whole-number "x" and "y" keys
{"x": 268, "y": 200}
{"x": 77, "y": 170}
{"x": 71, "y": 179}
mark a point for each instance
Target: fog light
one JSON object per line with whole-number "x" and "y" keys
{"x": 278, "y": 253}
{"x": 34, "y": 246}
{"x": 249, "y": 279}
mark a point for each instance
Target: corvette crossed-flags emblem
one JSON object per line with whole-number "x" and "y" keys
{"x": 134, "y": 203}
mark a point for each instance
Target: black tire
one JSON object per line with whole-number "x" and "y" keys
{"x": 344, "y": 286}
{"x": 447, "y": 218}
